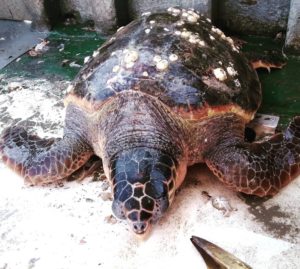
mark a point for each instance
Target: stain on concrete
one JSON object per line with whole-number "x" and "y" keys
{"x": 252, "y": 200}
{"x": 4, "y": 266}
{"x": 273, "y": 218}
{"x": 249, "y": 2}
{"x": 32, "y": 262}
{"x": 275, "y": 221}
{"x": 5, "y": 214}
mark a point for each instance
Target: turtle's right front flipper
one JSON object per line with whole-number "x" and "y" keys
{"x": 261, "y": 168}
{"x": 39, "y": 160}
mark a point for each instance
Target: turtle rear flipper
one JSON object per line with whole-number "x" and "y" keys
{"x": 260, "y": 168}
{"x": 39, "y": 160}
{"x": 266, "y": 60}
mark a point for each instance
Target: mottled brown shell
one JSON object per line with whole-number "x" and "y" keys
{"x": 181, "y": 59}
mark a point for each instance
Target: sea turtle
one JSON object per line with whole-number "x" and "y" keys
{"x": 167, "y": 91}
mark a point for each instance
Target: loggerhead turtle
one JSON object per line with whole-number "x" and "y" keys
{"x": 165, "y": 92}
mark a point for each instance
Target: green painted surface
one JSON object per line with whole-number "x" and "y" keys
{"x": 78, "y": 43}
{"x": 281, "y": 88}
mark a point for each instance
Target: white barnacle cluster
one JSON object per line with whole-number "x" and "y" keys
{"x": 237, "y": 83}
{"x": 157, "y": 58}
{"x": 148, "y": 13}
{"x": 190, "y": 15}
{"x": 235, "y": 48}
{"x": 160, "y": 63}
{"x": 180, "y": 23}
{"x": 229, "y": 40}
{"x": 145, "y": 74}
{"x": 174, "y": 11}
{"x": 150, "y": 27}
{"x": 116, "y": 68}
{"x": 95, "y": 53}
{"x": 223, "y": 73}
{"x": 130, "y": 57}
{"x": 220, "y": 74}
{"x": 185, "y": 34}
{"x": 86, "y": 59}
{"x": 217, "y": 31}
{"x": 127, "y": 59}
{"x": 224, "y": 37}
{"x": 231, "y": 71}
{"x": 173, "y": 57}
{"x": 191, "y": 37}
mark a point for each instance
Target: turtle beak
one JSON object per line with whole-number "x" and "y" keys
{"x": 140, "y": 228}
{"x": 140, "y": 220}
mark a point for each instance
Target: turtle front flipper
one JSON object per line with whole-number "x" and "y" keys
{"x": 260, "y": 168}
{"x": 39, "y": 160}
{"x": 92, "y": 166}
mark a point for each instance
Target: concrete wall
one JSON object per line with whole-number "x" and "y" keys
{"x": 32, "y": 10}
{"x": 137, "y": 7}
{"x": 293, "y": 32}
{"x": 102, "y": 12}
{"x": 262, "y": 17}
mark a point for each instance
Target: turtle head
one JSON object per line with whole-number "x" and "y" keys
{"x": 143, "y": 185}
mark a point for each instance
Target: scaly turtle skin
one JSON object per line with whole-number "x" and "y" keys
{"x": 167, "y": 91}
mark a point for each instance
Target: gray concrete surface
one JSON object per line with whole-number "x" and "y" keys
{"x": 137, "y": 7}
{"x": 262, "y": 17}
{"x": 102, "y": 12}
{"x": 293, "y": 32}
{"x": 16, "y": 38}
{"x": 24, "y": 10}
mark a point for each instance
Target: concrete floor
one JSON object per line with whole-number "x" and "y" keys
{"x": 22, "y": 32}
{"x": 71, "y": 226}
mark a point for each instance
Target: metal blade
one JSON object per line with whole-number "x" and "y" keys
{"x": 216, "y": 257}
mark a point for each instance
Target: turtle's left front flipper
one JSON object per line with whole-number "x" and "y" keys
{"x": 260, "y": 168}
{"x": 39, "y": 160}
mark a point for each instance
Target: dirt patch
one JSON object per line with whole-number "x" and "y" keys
{"x": 275, "y": 221}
